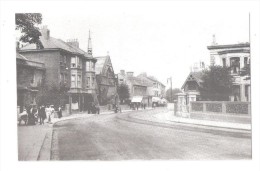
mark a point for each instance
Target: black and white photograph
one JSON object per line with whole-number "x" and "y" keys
{"x": 147, "y": 81}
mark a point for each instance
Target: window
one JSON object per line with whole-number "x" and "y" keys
{"x": 65, "y": 60}
{"x": 73, "y": 62}
{"x": 79, "y": 81}
{"x": 224, "y": 62}
{"x": 93, "y": 66}
{"x": 93, "y": 82}
{"x": 73, "y": 80}
{"x": 235, "y": 65}
{"x": 87, "y": 66}
{"x": 245, "y": 61}
{"x": 88, "y": 82}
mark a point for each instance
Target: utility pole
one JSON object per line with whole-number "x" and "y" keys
{"x": 171, "y": 87}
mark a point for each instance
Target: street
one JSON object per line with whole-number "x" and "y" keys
{"x": 125, "y": 137}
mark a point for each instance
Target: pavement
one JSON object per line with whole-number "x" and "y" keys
{"x": 40, "y": 136}
{"x": 169, "y": 116}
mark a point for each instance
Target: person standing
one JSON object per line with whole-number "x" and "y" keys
{"x": 34, "y": 112}
{"x": 59, "y": 112}
{"x": 48, "y": 113}
{"x": 42, "y": 115}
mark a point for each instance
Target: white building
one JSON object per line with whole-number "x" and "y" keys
{"x": 236, "y": 57}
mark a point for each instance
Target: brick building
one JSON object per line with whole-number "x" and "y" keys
{"x": 66, "y": 66}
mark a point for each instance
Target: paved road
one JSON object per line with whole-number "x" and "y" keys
{"x": 124, "y": 137}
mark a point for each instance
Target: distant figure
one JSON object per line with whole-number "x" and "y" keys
{"x": 48, "y": 111}
{"x": 144, "y": 106}
{"x": 137, "y": 106}
{"x": 23, "y": 117}
{"x": 31, "y": 117}
{"x": 42, "y": 114}
{"x": 59, "y": 112}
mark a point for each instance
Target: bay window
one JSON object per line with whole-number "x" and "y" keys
{"x": 73, "y": 81}
{"x": 79, "y": 81}
{"x": 76, "y": 62}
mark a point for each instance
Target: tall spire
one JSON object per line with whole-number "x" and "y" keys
{"x": 89, "y": 46}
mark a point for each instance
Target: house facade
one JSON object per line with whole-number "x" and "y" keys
{"x": 30, "y": 77}
{"x": 106, "y": 81}
{"x": 237, "y": 58}
{"x": 156, "y": 90}
{"x": 68, "y": 67}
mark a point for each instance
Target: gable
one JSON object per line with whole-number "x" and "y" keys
{"x": 193, "y": 76}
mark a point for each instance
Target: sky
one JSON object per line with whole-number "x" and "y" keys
{"x": 163, "y": 41}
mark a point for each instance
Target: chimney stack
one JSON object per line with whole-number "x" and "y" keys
{"x": 73, "y": 42}
{"x": 45, "y": 32}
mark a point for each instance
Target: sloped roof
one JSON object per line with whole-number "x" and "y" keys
{"x": 149, "y": 78}
{"x": 100, "y": 63}
{"x": 139, "y": 82}
{"x": 53, "y": 43}
{"x": 194, "y": 76}
{"x": 27, "y": 62}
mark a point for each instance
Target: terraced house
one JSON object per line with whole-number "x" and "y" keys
{"x": 67, "y": 67}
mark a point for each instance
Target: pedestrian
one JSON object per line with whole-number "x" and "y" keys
{"x": 48, "y": 113}
{"x": 42, "y": 114}
{"x": 31, "y": 119}
{"x": 89, "y": 107}
{"x": 137, "y": 106}
{"x": 144, "y": 105}
{"x": 23, "y": 117}
{"x": 59, "y": 112}
{"x": 34, "y": 112}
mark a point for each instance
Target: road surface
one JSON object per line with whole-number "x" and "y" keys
{"x": 125, "y": 137}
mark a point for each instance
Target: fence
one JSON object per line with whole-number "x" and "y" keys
{"x": 221, "y": 107}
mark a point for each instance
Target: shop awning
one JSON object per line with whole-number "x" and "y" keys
{"x": 137, "y": 99}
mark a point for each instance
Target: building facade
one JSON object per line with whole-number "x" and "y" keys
{"x": 237, "y": 58}
{"x": 138, "y": 88}
{"x": 106, "y": 81}
{"x": 30, "y": 77}
{"x": 68, "y": 67}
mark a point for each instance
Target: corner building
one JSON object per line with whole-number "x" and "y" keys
{"x": 67, "y": 66}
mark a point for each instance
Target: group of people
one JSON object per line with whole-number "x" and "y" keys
{"x": 35, "y": 115}
{"x": 137, "y": 105}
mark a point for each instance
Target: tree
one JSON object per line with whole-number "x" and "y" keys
{"x": 123, "y": 92}
{"x": 216, "y": 84}
{"x": 246, "y": 71}
{"x": 26, "y": 23}
{"x": 174, "y": 94}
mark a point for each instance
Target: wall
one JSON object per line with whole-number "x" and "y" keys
{"x": 221, "y": 107}
{"x": 51, "y": 59}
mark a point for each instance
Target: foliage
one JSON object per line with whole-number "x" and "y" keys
{"x": 174, "y": 94}
{"x": 123, "y": 92}
{"x": 26, "y": 23}
{"x": 246, "y": 71}
{"x": 52, "y": 94}
{"x": 217, "y": 83}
